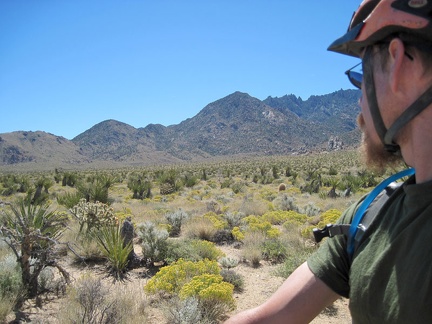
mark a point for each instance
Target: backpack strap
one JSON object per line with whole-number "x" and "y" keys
{"x": 373, "y": 210}
{"x": 365, "y": 214}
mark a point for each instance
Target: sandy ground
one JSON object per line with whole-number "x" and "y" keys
{"x": 259, "y": 284}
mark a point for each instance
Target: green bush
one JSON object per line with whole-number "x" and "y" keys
{"x": 11, "y": 288}
{"x": 233, "y": 278}
{"x": 69, "y": 200}
{"x": 93, "y": 215}
{"x": 274, "y": 250}
{"x": 192, "y": 250}
{"x": 112, "y": 246}
{"x": 32, "y": 232}
{"x": 154, "y": 242}
{"x": 175, "y": 220}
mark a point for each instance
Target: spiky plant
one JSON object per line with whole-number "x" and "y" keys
{"x": 32, "y": 232}
{"x": 110, "y": 241}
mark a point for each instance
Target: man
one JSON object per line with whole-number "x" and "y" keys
{"x": 388, "y": 276}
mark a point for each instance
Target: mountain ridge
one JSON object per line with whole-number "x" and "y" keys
{"x": 235, "y": 125}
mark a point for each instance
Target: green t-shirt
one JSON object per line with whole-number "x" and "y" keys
{"x": 390, "y": 278}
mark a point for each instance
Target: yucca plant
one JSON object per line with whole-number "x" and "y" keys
{"x": 111, "y": 243}
{"x": 32, "y": 231}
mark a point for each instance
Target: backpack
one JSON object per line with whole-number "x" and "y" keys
{"x": 365, "y": 214}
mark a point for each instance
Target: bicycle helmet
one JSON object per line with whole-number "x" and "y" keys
{"x": 374, "y": 21}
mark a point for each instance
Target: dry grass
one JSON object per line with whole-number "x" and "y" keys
{"x": 252, "y": 199}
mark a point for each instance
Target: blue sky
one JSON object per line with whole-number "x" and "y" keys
{"x": 68, "y": 65}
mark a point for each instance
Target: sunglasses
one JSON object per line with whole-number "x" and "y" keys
{"x": 356, "y": 78}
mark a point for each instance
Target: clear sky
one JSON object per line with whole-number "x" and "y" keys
{"x": 68, "y": 65}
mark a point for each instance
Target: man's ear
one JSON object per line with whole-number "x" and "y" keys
{"x": 396, "y": 51}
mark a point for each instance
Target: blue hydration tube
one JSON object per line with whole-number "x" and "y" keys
{"x": 365, "y": 204}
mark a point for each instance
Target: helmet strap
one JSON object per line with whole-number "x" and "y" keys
{"x": 369, "y": 83}
{"x": 412, "y": 111}
{"x": 388, "y": 136}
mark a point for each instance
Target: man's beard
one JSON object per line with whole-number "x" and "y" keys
{"x": 374, "y": 154}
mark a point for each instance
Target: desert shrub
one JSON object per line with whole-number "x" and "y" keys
{"x": 182, "y": 311}
{"x": 84, "y": 247}
{"x": 252, "y": 247}
{"x": 330, "y": 216}
{"x": 111, "y": 243}
{"x": 226, "y": 183}
{"x": 32, "y": 232}
{"x": 90, "y": 302}
{"x": 311, "y": 210}
{"x": 192, "y": 250}
{"x": 208, "y": 286}
{"x": 228, "y": 263}
{"x": 181, "y": 249}
{"x": 206, "y": 249}
{"x": 238, "y": 234}
{"x": 69, "y": 200}
{"x": 140, "y": 186}
{"x": 190, "y": 180}
{"x": 218, "y": 221}
{"x": 198, "y": 280}
{"x": 274, "y": 250}
{"x": 268, "y": 194}
{"x": 93, "y": 215}
{"x": 233, "y": 278}
{"x": 11, "y": 287}
{"x": 251, "y": 206}
{"x": 69, "y": 179}
{"x": 256, "y": 224}
{"x": 285, "y": 202}
{"x": 175, "y": 220}
{"x": 234, "y": 219}
{"x": 170, "y": 279}
{"x": 293, "y": 260}
{"x": 154, "y": 242}
{"x": 238, "y": 187}
{"x": 223, "y": 237}
{"x": 280, "y": 217}
{"x": 201, "y": 228}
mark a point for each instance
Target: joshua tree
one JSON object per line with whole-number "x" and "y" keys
{"x": 32, "y": 231}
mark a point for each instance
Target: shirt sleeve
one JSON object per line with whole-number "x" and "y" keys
{"x": 330, "y": 262}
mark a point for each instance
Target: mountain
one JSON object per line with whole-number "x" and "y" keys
{"x": 240, "y": 124}
{"x": 38, "y": 148}
{"x": 235, "y": 125}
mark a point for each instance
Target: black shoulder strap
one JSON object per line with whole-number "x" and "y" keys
{"x": 372, "y": 211}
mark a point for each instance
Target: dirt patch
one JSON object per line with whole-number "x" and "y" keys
{"x": 259, "y": 284}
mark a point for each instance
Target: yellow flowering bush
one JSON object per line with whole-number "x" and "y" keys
{"x": 238, "y": 234}
{"x": 172, "y": 278}
{"x": 257, "y": 224}
{"x": 329, "y": 217}
{"x": 280, "y": 217}
{"x": 217, "y": 220}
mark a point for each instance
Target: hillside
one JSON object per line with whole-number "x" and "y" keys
{"x": 235, "y": 125}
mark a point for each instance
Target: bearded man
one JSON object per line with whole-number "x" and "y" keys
{"x": 386, "y": 272}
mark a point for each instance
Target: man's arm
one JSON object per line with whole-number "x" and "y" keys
{"x": 299, "y": 300}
